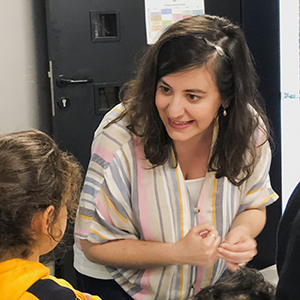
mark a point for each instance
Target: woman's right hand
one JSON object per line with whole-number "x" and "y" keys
{"x": 198, "y": 247}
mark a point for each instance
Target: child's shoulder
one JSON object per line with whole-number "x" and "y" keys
{"x": 56, "y": 288}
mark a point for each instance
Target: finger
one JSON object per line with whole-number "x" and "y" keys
{"x": 235, "y": 257}
{"x": 244, "y": 246}
{"x": 212, "y": 239}
{"x": 233, "y": 254}
{"x": 232, "y": 266}
{"x": 242, "y": 265}
{"x": 203, "y": 228}
{"x": 217, "y": 243}
{"x": 205, "y": 225}
{"x": 212, "y": 233}
{"x": 204, "y": 233}
{"x": 233, "y": 239}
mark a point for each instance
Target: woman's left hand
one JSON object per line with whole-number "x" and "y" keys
{"x": 237, "y": 249}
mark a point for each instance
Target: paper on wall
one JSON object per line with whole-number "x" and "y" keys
{"x": 162, "y": 13}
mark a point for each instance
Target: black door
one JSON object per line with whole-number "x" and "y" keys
{"x": 93, "y": 47}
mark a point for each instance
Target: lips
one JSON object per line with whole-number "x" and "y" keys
{"x": 179, "y": 124}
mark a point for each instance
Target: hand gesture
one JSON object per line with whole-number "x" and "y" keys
{"x": 237, "y": 249}
{"x": 199, "y": 246}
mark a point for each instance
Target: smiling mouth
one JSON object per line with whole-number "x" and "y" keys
{"x": 180, "y": 123}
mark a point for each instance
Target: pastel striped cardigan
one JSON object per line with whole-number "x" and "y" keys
{"x": 124, "y": 198}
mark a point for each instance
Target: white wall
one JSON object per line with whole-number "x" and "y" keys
{"x": 24, "y": 86}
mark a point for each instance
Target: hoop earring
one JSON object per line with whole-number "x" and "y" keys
{"x": 224, "y": 112}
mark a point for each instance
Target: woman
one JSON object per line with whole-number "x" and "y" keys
{"x": 178, "y": 180}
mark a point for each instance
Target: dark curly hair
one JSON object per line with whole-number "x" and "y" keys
{"x": 243, "y": 284}
{"x": 34, "y": 174}
{"x": 185, "y": 45}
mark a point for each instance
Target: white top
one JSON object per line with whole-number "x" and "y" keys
{"x": 194, "y": 187}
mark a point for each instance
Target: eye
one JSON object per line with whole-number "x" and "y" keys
{"x": 164, "y": 89}
{"x": 193, "y": 97}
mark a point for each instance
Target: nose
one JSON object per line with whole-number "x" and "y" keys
{"x": 176, "y": 107}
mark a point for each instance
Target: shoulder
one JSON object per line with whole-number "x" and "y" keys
{"x": 48, "y": 289}
{"x": 108, "y": 140}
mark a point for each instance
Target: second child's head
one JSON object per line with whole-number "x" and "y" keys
{"x": 39, "y": 188}
{"x": 243, "y": 284}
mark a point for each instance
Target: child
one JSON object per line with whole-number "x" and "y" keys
{"x": 39, "y": 186}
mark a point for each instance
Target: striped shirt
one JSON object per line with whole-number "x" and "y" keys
{"x": 125, "y": 198}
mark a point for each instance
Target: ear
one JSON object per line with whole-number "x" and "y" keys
{"x": 42, "y": 220}
{"x": 225, "y": 103}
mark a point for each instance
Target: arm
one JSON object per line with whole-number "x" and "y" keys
{"x": 195, "y": 248}
{"x": 239, "y": 246}
{"x": 251, "y": 221}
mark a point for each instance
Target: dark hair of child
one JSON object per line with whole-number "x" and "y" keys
{"x": 34, "y": 174}
{"x": 243, "y": 284}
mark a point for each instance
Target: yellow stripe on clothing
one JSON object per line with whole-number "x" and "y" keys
{"x": 113, "y": 207}
{"x": 97, "y": 233}
{"x": 254, "y": 191}
{"x": 118, "y": 110}
{"x": 181, "y": 222}
{"x": 266, "y": 200}
{"x": 85, "y": 217}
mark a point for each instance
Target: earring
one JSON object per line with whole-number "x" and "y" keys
{"x": 224, "y": 112}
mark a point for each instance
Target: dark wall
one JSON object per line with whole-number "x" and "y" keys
{"x": 260, "y": 23}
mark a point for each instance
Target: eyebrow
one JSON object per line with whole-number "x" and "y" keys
{"x": 188, "y": 90}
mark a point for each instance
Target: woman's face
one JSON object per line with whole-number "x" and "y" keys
{"x": 187, "y": 103}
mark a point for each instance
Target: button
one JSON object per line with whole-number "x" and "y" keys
{"x": 197, "y": 210}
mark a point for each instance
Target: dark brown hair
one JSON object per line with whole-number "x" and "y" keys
{"x": 243, "y": 284}
{"x": 193, "y": 43}
{"x": 34, "y": 174}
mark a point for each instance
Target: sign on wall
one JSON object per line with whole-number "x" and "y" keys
{"x": 160, "y": 14}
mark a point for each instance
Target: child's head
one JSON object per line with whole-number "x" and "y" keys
{"x": 39, "y": 184}
{"x": 243, "y": 284}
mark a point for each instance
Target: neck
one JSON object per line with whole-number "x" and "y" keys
{"x": 196, "y": 145}
{"x": 34, "y": 256}
{"x": 193, "y": 155}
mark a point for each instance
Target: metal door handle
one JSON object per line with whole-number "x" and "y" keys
{"x": 61, "y": 81}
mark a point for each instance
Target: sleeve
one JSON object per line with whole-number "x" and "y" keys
{"x": 257, "y": 191}
{"x": 105, "y": 210}
{"x": 66, "y": 285}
